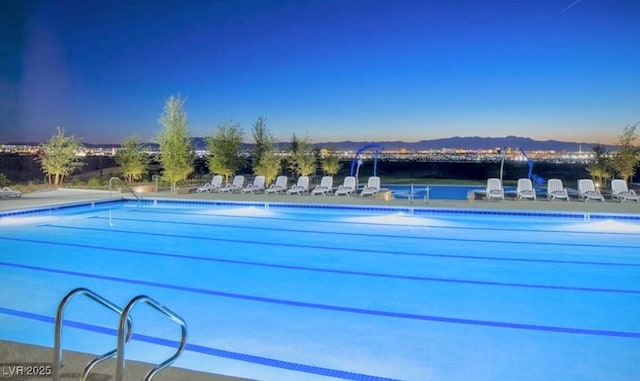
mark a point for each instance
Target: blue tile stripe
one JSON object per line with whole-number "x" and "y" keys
{"x": 358, "y": 250}
{"x": 335, "y": 308}
{"x": 260, "y": 360}
{"x": 60, "y": 207}
{"x": 332, "y": 271}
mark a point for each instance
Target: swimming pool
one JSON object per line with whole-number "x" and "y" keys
{"x": 436, "y": 192}
{"x": 293, "y": 292}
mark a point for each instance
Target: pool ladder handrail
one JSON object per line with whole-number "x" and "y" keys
{"x": 427, "y": 190}
{"x": 125, "y": 332}
{"x": 137, "y": 196}
{"x": 57, "y": 346}
{"x": 124, "y": 317}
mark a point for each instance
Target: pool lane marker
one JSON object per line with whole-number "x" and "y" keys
{"x": 354, "y": 249}
{"x": 329, "y": 307}
{"x": 333, "y": 271}
{"x": 260, "y": 360}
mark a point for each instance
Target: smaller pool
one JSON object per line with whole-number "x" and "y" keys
{"x": 437, "y": 192}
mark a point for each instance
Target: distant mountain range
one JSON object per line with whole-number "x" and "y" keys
{"x": 474, "y": 143}
{"x": 469, "y": 142}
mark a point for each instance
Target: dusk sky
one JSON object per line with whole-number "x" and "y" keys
{"x": 328, "y": 70}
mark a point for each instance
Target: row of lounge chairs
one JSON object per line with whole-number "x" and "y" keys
{"x": 555, "y": 190}
{"x": 325, "y": 186}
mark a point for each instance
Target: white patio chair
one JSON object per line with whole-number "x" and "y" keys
{"x": 555, "y": 190}
{"x": 214, "y": 185}
{"x": 621, "y": 192}
{"x": 302, "y": 186}
{"x": 494, "y": 189}
{"x": 348, "y": 186}
{"x": 279, "y": 186}
{"x": 256, "y": 186}
{"x": 326, "y": 185}
{"x": 587, "y": 190}
{"x": 372, "y": 187}
{"x": 525, "y": 189}
{"x": 235, "y": 186}
{"x": 7, "y": 192}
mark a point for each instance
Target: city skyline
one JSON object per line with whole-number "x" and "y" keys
{"x": 327, "y": 70}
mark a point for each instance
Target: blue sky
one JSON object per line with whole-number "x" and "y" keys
{"x": 329, "y": 70}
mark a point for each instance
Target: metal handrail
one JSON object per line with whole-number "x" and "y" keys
{"x": 120, "y": 358}
{"x": 137, "y": 196}
{"x": 57, "y": 346}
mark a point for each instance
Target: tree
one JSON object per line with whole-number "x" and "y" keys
{"x": 625, "y": 160}
{"x": 132, "y": 158}
{"x": 265, "y": 161}
{"x": 262, "y": 138}
{"x": 302, "y": 159}
{"x": 58, "y": 158}
{"x": 176, "y": 155}
{"x": 598, "y": 169}
{"x": 225, "y": 145}
{"x": 268, "y": 166}
{"x": 331, "y": 162}
{"x": 4, "y": 181}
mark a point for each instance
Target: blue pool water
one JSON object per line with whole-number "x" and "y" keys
{"x": 317, "y": 293}
{"x": 436, "y": 192}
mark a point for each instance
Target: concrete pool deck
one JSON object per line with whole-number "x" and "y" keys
{"x": 10, "y": 352}
{"x": 65, "y": 196}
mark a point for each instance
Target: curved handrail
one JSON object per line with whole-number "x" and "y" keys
{"x": 57, "y": 346}
{"x": 377, "y": 148}
{"x": 137, "y": 196}
{"x": 120, "y": 358}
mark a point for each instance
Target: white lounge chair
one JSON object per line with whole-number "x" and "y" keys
{"x": 256, "y": 186}
{"x": 302, "y": 186}
{"x": 326, "y": 184}
{"x": 279, "y": 186}
{"x": 7, "y": 192}
{"x": 372, "y": 187}
{"x": 494, "y": 189}
{"x": 555, "y": 190}
{"x": 236, "y": 185}
{"x": 621, "y": 192}
{"x": 525, "y": 189}
{"x": 348, "y": 186}
{"x": 213, "y": 186}
{"x": 587, "y": 190}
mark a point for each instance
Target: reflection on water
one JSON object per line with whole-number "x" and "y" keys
{"x": 252, "y": 211}
{"x": 607, "y": 226}
{"x": 397, "y": 219}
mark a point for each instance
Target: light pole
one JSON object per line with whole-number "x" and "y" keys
{"x": 501, "y": 152}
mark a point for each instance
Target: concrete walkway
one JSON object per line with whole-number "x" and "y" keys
{"x": 66, "y": 196}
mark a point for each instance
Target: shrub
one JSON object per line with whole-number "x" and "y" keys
{"x": 95, "y": 182}
{"x": 77, "y": 182}
{"x": 4, "y": 182}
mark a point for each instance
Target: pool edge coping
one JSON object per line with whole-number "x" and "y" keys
{"x": 414, "y": 210}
